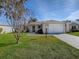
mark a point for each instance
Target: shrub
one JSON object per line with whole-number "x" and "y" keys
{"x": 1, "y": 30}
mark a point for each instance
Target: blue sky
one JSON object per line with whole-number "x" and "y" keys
{"x": 52, "y": 9}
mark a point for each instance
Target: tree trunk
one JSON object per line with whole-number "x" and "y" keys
{"x": 17, "y": 40}
{"x": 17, "y": 37}
{"x": 46, "y": 33}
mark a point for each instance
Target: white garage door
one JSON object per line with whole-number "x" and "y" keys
{"x": 56, "y": 28}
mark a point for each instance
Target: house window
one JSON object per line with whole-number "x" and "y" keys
{"x": 73, "y": 27}
{"x": 78, "y": 27}
{"x": 39, "y": 26}
{"x": 33, "y": 28}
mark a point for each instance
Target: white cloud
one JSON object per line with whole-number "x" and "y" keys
{"x": 73, "y": 16}
{"x": 70, "y": 5}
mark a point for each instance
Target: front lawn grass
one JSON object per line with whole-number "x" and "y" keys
{"x": 35, "y": 47}
{"x": 74, "y": 33}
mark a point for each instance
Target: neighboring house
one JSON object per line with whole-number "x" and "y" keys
{"x": 51, "y": 26}
{"x": 75, "y": 26}
{"x": 6, "y": 28}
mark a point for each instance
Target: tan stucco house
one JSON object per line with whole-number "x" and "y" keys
{"x": 51, "y": 26}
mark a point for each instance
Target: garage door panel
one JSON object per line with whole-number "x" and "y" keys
{"x": 56, "y": 28}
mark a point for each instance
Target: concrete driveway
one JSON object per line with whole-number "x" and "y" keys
{"x": 70, "y": 39}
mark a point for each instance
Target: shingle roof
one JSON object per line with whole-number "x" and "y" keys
{"x": 75, "y": 22}
{"x": 45, "y": 22}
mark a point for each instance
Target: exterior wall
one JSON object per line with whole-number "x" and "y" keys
{"x": 68, "y": 27}
{"x": 77, "y": 27}
{"x": 44, "y": 28}
{"x": 6, "y": 29}
{"x": 30, "y": 29}
{"x": 36, "y": 28}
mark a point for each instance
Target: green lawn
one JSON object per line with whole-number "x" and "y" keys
{"x": 35, "y": 47}
{"x": 74, "y": 33}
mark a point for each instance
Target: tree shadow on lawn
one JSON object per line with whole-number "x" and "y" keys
{"x": 6, "y": 44}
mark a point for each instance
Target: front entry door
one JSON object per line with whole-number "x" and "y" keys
{"x": 33, "y": 28}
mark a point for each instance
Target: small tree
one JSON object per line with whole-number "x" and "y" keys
{"x": 14, "y": 10}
